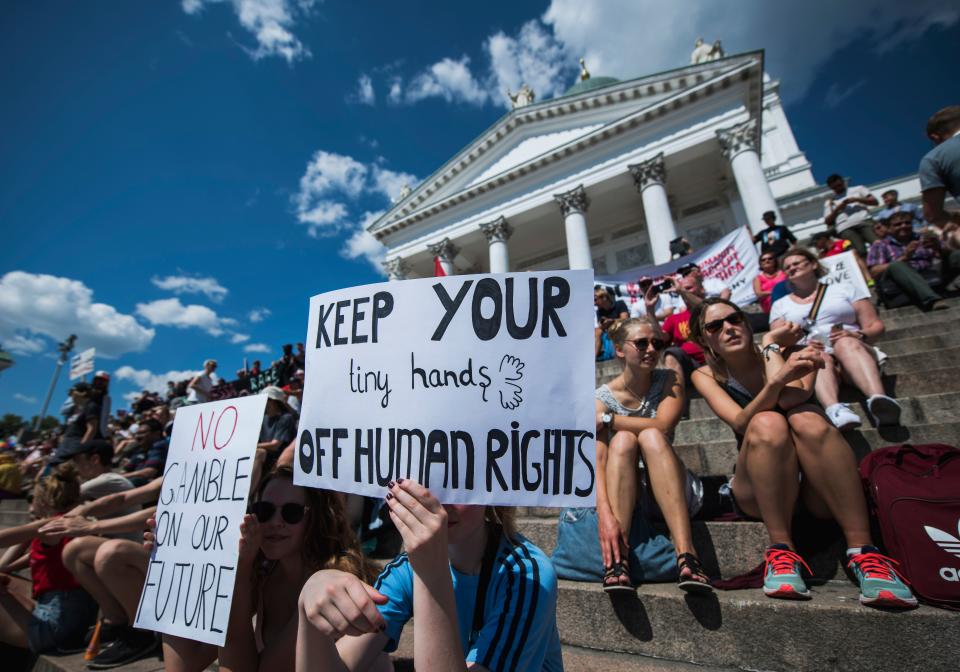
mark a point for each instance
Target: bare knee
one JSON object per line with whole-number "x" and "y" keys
{"x": 767, "y": 430}
{"x": 80, "y": 551}
{"x": 653, "y": 441}
{"x": 114, "y": 554}
{"x": 810, "y": 428}
{"x": 624, "y": 446}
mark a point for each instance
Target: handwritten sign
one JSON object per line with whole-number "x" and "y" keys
{"x": 264, "y": 379}
{"x": 190, "y": 578}
{"x": 480, "y": 387}
{"x": 83, "y": 363}
{"x": 842, "y": 269}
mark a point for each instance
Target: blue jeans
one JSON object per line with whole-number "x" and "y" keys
{"x": 60, "y": 620}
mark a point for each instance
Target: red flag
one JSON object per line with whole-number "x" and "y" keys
{"x": 438, "y": 271}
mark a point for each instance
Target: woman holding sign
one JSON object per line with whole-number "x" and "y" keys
{"x": 636, "y": 414}
{"x": 290, "y": 533}
{"x": 480, "y": 595}
{"x": 787, "y": 449}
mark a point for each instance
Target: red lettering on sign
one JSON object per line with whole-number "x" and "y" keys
{"x": 216, "y": 432}
{"x": 203, "y": 435}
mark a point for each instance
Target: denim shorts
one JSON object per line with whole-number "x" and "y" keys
{"x": 60, "y": 620}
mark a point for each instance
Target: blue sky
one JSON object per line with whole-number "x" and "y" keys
{"x": 168, "y": 170}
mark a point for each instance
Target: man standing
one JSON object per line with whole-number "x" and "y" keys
{"x": 908, "y": 261}
{"x": 847, "y": 212}
{"x": 776, "y": 238}
{"x": 201, "y": 385}
{"x": 940, "y": 168}
{"x": 892, "y": 204}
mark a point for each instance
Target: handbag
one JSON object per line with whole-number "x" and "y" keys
{"x": 577, "y": 557}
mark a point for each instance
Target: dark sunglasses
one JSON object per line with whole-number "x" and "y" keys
{"x": 642, "y": 344}
{"x": 713, "y": 326}
{"x": 291, "y": 512}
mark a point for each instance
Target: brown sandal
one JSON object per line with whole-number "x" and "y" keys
{"x": 613, "y": 578}
{"x": 696, "y": 581}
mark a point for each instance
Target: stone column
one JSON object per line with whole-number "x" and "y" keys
{"x": 447, "y": 252}
{"x": 498, "y": 232}
{"x": 396, "y": 268}
{"x": 573, "y": 207}
{"x": 649, "y": 178}
{"x": 739, "y": 145}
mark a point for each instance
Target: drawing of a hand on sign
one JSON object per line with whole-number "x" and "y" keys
{"x": 505, "y": 383}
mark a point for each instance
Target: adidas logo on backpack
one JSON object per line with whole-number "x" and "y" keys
{"x": 949, "y": 544}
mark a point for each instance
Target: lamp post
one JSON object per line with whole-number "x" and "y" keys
{"x": 64, "y": 349}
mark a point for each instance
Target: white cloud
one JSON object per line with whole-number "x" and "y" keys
{"x": 172, "y": 313}
{"x": 239, "y": 338}
{"x": 269, "y": 21}
{"x": 257, "y": 347}
{"x": 23, "y": 344}
{"x": 836, "y": 94}
{"x": 630, "y": 38}
{"x": 333, "y": 183}
{"x": 259, "y": 314}
{"x": 534, "y": 57}
{"x": 183, "y": 284}
{"x": 147, "y": 380}
{"x": 450, "y": 80}
{"x": 365, "y": 93}
{"x": 363, "y": 245}
{"x": 396, "y": 90}
{"x": 36, "y": 304}
{"x": 25, "y": 398}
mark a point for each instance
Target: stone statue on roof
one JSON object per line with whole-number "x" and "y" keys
{"x": 525, "y": 96}
{"x": 701, "y": 52}
{"x": 716, "y": 51}
{"x": 404, "y": 192}
{"x": 584, "y": 73}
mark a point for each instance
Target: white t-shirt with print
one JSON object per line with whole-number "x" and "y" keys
{"x": 853, "y": 213}
{"x": 837, "y": 308}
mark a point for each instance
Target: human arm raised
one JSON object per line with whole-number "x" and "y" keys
{"x": 104, "y": 506}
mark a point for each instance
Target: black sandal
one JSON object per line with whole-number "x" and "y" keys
{"x": 697, "y": 581}
{"x": 613, "y": 575}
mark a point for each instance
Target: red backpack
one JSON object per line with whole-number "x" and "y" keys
{"x": 914, "y": 493}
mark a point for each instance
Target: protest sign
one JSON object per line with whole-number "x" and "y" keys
{"x": 265, "y": 378}
{"x": 732, "y": 259}
{"x": 190, "y": 577}
{"x": 843, "y": 269}
{"x": 82, "y": 363}
{"x": 479, "y": 387}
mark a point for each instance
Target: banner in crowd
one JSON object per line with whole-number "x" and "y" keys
{"x": 191, "y": 574}
{"x": 82, "y": 363}
{"x": 733, "y": 260}
{"x": 265, "y": 378}
{"x": 480, "y": 387}
{"x": 843, "y": 269}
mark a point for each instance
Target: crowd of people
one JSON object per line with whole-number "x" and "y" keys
{"x": 308, "y": 596}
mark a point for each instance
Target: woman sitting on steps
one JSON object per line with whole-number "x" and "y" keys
{"x": 788, "y": 450}
{"x": 636, "y": 414}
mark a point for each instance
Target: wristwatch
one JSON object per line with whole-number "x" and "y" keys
{"x": 607, "y": 419}
{"x": 772, "y": 347}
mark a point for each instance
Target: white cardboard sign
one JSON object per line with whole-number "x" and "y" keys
{"x": 82, "y": 363}
{"x": 843, "y": 269}
{"x": 480, "y": 387}
{"x": 191, "y": 574}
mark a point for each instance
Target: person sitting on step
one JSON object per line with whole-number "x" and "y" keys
{"x": 465, "y": 573}
{"x": 845, "y": 326}
{"x": 787, "y": 449}
{"x": 636, "y": 414}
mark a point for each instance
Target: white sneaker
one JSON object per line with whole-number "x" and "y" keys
{"x": 883, "y": 410}
{"x": 842, "y": 417}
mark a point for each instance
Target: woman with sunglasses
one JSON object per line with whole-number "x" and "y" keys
{"x": 480, "y": 595}
{"x": 847, "y": 326}
{"x": 636, "y": 414}
{"x": 290, "y": 533}
{"x": 763, "y": 395}
{"x": 769, "y": 277}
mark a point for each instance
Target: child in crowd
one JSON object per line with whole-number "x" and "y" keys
{"x": 788, "y": 450}
{"x": 478, "y": 592}
{"x": 290, "y": 533}
{"x": 636, "y": 414}
{"x": 57, "y": 614}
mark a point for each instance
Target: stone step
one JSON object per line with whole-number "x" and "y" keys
{"x": 582, "y": 659}
{"x": 13, "y": 518}
{"x": 927, "y": 409}
{"x": 745, "y": 629}
{"x": 726, "y": 549}
{"x": 940, "y": 358}
{"x": 718, "y": 457}
{"x": 14, "y": 505}
{"x": 953, "y": 302}
{"x": 907, "y": 346}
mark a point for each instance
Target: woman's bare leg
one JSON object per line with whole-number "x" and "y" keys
{"x": 830, "y": 470}
{"x": 858, "y": 362}
{"x": 827, "y": 385}
{"x": 78, "y": 557}
{"x": 668, "y": 478}
{"x": 16, "y": 605}
{"x": 122, "y": 564}
{"x": 186, "y": 655}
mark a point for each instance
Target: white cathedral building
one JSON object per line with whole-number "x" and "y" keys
{"x": 606, "y": 175}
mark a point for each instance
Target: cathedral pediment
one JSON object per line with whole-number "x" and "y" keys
{"x": 531, "y": 136}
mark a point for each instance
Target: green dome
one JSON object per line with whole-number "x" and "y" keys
{"x": 590, "y": 84}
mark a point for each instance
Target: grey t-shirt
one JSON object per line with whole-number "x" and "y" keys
{"x": 941, "y": 167}
{"x": 105, "y": 484}
{"x": 648, "y": 407}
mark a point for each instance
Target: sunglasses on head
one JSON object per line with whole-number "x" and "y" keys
{"x": 642, "y": 344}
{"x": 291, "y": 512}
{"x": 713, "y": 326}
